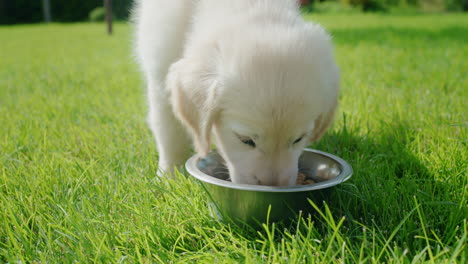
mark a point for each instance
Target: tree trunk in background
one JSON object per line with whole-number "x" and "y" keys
{"x": 46, "y": 11}
{"x": 2, "y": 9}
{"x": 108, "y": 7}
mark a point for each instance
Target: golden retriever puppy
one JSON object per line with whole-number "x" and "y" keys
{"x": 250, "y": 76}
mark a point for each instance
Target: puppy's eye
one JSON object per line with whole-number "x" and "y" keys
{"x": 248, "y": 142}
{"x": 298, "y": 140}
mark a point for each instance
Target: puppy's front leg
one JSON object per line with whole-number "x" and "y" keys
{"x": 172, "y": 141}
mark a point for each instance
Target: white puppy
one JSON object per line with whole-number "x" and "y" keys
{"x": 251, "y": 75}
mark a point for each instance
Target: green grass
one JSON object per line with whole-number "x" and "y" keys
{"x": 77, "y": 162}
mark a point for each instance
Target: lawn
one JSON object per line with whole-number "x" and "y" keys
{"x": 77, "y": 161}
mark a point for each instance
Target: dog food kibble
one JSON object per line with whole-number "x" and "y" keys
{"x": 302, "y": 180}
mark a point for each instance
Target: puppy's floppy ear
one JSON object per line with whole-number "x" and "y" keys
{"x": 194, "y": 99}
{"x": 330, "y": 101}
{"x": 323, "y": 122}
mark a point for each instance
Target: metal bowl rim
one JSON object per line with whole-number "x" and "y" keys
{"x": 346, "y": 173}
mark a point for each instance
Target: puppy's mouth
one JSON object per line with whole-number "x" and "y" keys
{"x": 220, "y": 170}
{"x": 222, "y": 173}
{"x": 251, "y": 180}
{"x": 254, "y": 180}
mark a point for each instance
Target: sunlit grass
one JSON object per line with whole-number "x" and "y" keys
{"x": 77, "y": 162}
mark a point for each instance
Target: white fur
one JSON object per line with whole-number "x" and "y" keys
{"x": 226, "y": 69}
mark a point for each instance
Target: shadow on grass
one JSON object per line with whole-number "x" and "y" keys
{"x": 397, "y": 35}
{"x": 387, "y": 178}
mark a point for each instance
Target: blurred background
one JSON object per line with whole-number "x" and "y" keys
{"x": 36, "y": 11}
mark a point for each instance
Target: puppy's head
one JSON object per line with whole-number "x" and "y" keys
{"x": 262, "y": 100}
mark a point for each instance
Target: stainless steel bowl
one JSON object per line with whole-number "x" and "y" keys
{"x": 250, "y": 204}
